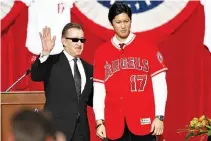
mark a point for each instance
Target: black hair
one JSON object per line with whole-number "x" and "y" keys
{"x": 28, "y": 125}
{"x": 70, "y": 25}
{"x": 118, "y": 8}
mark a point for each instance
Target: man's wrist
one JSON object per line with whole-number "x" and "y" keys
{"x": 160, "y": 117}
{"x": 44, "y": 53}
{"x": 100, "y": 121}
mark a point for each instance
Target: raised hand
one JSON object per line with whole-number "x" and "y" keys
{"x": 47, "y": 42}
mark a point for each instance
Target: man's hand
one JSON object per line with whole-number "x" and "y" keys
{"x": 157, "y": 127}
{"x": 47, "y": 42}
{"x": 101, "y": 132}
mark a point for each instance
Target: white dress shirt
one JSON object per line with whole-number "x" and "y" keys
{"x": 158, "y": 83}
{"x": 70, "y": 58}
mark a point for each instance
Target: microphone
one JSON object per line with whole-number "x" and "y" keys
{"x": 19, "y": 79}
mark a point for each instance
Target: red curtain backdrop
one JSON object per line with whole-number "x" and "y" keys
{"x": 188, "y": 60}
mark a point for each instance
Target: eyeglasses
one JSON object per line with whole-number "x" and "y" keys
{"x": 82, "y": 40}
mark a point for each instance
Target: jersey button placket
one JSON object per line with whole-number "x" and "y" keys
{"x": 121, "y": 84}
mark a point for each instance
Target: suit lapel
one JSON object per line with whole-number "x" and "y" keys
{"x": 64, "y": 63}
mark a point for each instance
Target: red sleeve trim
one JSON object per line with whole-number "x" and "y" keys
{"x": 98, "y": 80}
{"x": 159, "y": 71}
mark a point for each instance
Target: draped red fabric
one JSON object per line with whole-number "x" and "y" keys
{"x": 14, "y": 53}
{"x": 16, "y": 58}
{"x": 188, "y": 60}
{"x": 189, "y": 86}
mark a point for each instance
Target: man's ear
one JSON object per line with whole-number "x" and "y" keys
{"x": 63, "y": 41}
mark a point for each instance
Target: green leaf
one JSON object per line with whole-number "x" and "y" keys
{"x": 209, "y": 133}
{"x": 208, "y": 126}
{"x": 188, "y": 136}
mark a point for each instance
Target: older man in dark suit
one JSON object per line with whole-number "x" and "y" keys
{"x": 67, "y": 81}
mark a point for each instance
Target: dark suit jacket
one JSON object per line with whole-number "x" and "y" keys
{"x": 60, "y": 93}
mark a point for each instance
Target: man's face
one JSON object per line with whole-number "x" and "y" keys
{"x": 121, "y": 24}
{"x": 71, "y": 41}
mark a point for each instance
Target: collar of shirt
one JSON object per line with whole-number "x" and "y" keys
{"x": 126, "y": 42}
{"x": 70, "y": 57}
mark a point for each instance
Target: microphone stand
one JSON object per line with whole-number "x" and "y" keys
{"x": 25, "y": 74}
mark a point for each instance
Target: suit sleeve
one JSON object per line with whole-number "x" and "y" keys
{"x": 39, "y": 71}
{"x": 90, "y": 101}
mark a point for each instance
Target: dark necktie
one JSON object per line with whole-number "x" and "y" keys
{"x": 121, "y": 45}
{"x": 77, "y": 78}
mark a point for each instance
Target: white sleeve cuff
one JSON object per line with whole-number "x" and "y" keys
{"x": 43, "y": 57}
{"x": 99, "y": 114}
{"x": 160, "y": 93}
{"x": 98, "y": 100}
